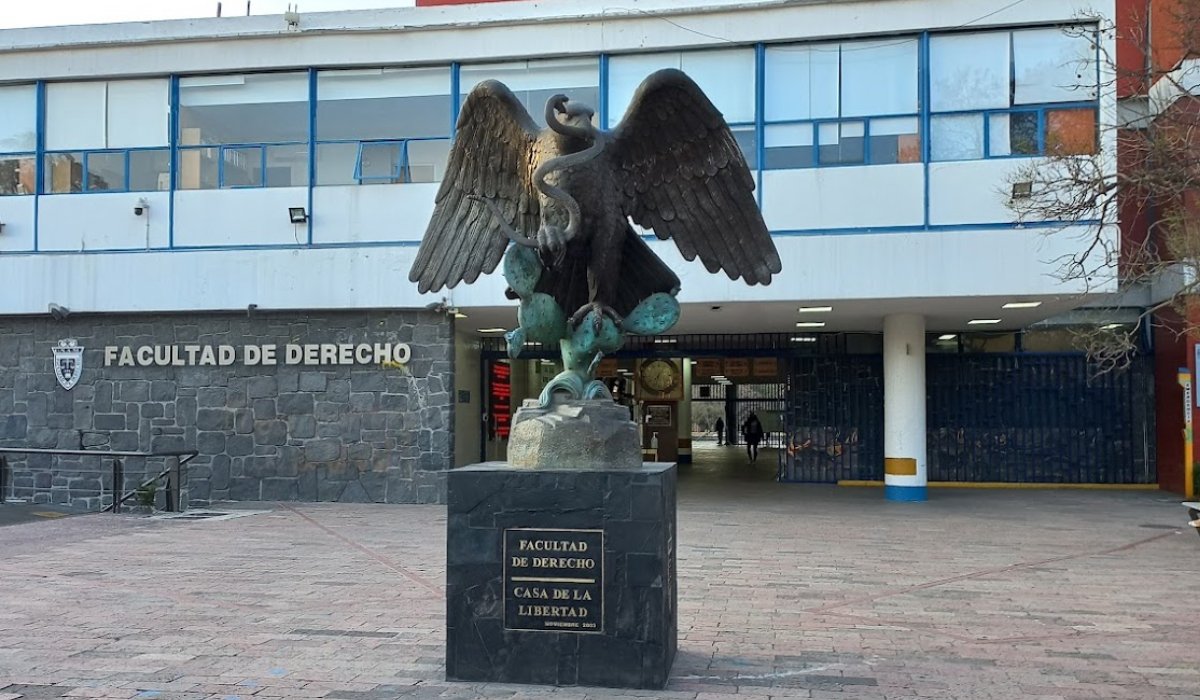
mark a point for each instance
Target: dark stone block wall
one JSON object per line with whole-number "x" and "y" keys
{"x": 357, "y": 433}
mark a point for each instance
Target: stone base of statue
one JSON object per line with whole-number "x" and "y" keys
{"x": 574, "y": 434}
{"x": 561, "y": 576}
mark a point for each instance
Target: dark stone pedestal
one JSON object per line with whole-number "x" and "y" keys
{"x": 561, "y": 577}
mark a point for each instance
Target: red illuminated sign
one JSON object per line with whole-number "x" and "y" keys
{"x": 500, "y": 399}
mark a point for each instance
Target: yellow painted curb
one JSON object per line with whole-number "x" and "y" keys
{"x": 1007, "y": 485}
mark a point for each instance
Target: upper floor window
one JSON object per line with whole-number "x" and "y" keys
{"x": 848, "y": 103}
{"x": 727, "y": 77}
{"x": 535, "y": 82}
{"x": 243, "y": 131}
{"x": 18, "y": 139}
{"x": 107, "y": 136}
{"x": 383, "y": 125}
{"x": 1020, "y": 93}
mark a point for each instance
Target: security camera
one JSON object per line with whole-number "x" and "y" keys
{"x": 140, "y": 208}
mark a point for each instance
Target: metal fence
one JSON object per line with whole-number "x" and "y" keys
{"x": 1010, "y": 417}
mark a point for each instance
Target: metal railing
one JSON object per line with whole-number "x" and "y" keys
{"x": 174, "y": 475}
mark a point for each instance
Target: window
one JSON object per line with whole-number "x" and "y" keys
{"x": 18, "y": 139}
{"x": 535, "y": 82}
{"x": 383, "y": 125}
{"x": 856, "y": 101}
{"x": 94, "y": 129}
{"x": 1011, "y": 94}
{"x": 243, "y": 131}
{"x": 725, "y": 75}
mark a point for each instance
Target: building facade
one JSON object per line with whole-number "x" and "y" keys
{"x": 236, "y": 184}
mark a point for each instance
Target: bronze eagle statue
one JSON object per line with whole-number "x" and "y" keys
{"x": 565, "y": 196}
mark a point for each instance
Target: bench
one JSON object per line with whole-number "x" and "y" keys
{"x": 1193, "y": 513}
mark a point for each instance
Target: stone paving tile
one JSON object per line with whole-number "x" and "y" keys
{"x": 785, "y": 592}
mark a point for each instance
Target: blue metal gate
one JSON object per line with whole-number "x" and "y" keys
{"x": 1039, "y": 419}
{"x": 835, "y": 419}
{"x": 1010, "y": 417}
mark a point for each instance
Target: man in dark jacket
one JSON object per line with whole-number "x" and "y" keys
{"x": 752, "y": 430}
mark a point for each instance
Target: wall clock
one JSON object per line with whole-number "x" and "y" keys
{"x": 659, "y": 376}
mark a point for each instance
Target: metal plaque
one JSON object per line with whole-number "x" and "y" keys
{"x": 554, "y": 580}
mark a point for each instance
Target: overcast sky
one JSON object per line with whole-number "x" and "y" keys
{"x": 41, "y": 13}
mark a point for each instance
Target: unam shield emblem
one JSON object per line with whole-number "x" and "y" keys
{"x": 68, "y": 363}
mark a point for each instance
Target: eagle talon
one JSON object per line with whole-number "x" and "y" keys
{"x": 551, "y": 245}
{"x": 601, "y": 310}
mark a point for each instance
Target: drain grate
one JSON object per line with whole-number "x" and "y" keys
{"x": 1154, "y": 526}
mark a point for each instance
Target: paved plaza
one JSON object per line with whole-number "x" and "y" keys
{"x": 785, "y": 591}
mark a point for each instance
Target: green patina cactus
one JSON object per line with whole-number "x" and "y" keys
{"x": 540, "y": 319}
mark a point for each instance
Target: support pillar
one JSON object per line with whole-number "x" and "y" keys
{"x": 904, "y": 407}
{"x": 685, "y": 415}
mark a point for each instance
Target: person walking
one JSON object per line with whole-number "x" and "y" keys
{"x": 752, "y": 430}
{"x": 719, "y": 426}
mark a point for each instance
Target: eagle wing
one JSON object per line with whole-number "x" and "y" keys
{"x": 491, "y": 158}
{"x": 684, "y": 176}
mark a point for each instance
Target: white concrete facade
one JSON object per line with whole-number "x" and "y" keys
{"x": 929, "y": 237}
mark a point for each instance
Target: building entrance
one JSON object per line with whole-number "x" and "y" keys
{"x": 1006, "y": 417}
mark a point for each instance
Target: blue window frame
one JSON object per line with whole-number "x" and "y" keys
{"x": 841, "y": 104}
{"x": 243, "y": 131}
{"x": 107, "y": 170}
{"x": 1014, "y": 94}
{"x": 18, "y": 173}
{"x": 382, "y": 125}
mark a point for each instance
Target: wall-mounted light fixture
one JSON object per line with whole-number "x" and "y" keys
{"x": 297, "y": 215}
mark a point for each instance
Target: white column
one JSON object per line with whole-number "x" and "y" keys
{"x": 904, "y": 407}
{"x": 685, "y": 414}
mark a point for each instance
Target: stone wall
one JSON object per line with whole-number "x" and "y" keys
{"x": 359, "y": 433}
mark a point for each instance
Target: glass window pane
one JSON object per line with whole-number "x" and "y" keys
{"x": 626, "y": 73}
{"x": 969, "y": 71}
{"x": 879, "y": 77}
{"x": 137, "y": 114}
{"x": 241, "y": 167}
{"x": 788, "y": 146}
{"x": 198, "y": 168}
{"x": 1071, "y": 132}
{"x": 427, "y": 160}
{"x": 999, "y": 140}
{"x": 336, "y": 162}
{"x": 18, "y": 118}
{"x": 287, "y": 166}
{"x": 535, "y": 82}
{"x": 149, "y": 170}
{"x": 1023, "y": 133}
{"x": 106, "y": 172}
{"x": 17, "y": 175}
{"x": 380, "y": 162}
{"x": 895, "y": 140}
{"x": 64, "y": 173}
{"x": 840, "y": 143}
{"x": 957, "y": 137}
{"x": 727, "y": 77}
{"x": 232, "y": 109}
{"x": 1053, "y": 65}
{"x": 801, "y": 82}
{"x": 748, "y": 143}
{"x": 383, "y": 103}
{"x": 75, "y": 115}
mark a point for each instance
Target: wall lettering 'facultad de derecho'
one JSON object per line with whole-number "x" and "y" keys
{"x": 269, "y": 354}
